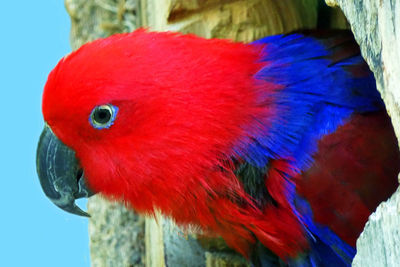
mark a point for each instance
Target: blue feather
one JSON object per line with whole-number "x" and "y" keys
{"x": 319, "y": 93}
{"x": 316, "y": 98}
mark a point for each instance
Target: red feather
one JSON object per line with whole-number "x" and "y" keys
{"x": 173, "y": 134}
{"x": 353, "y": 171}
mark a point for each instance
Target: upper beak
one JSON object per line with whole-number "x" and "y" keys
{"x": 61, "y": 177}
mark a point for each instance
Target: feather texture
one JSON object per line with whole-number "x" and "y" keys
{"x": 268, "y": 144}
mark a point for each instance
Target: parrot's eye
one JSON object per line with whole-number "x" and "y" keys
{"x": 103, "y": 116}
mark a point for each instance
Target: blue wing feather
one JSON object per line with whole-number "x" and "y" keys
{"x": 317, "y": 96}
{"x": 324, "y": 80}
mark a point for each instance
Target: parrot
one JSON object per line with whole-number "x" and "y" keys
{"x": 281, "y": 146}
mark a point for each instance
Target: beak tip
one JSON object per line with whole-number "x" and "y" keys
{"x": 57, "y": 168}
{"x": 74, "y": 209}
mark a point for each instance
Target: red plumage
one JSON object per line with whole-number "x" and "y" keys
{"x": 172, "y": 135}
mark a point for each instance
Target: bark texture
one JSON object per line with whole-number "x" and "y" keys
{"x": 93, "y": 19}
{"x": 376, "y": 26}
{"x": 241, "y": 20}
{"x": 116, "y": 235}
{"x": 379, "y": 244}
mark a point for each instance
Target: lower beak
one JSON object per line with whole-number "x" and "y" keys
{"x": 61, "y": 177}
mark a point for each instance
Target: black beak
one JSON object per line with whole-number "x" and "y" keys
{"x": 61, "y": 177}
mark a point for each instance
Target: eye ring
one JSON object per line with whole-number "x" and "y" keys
{"x": 103, "y": 116}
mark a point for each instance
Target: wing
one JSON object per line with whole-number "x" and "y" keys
{"x": 320, "y": 84}
{"x": 329, "y": 153}
{"x": 354, "y": 169}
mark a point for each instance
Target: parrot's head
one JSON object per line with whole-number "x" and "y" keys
{"x": 138, "y": 116}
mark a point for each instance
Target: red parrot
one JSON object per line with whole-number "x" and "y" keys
{"x": 281, "y": 146}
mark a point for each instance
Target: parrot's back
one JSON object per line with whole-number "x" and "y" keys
{"x": 336, "y": 156}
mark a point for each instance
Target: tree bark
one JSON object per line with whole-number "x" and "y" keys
{"x": 376, "y": 27}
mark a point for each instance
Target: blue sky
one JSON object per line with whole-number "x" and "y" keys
{"x": 33, "y": 232}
